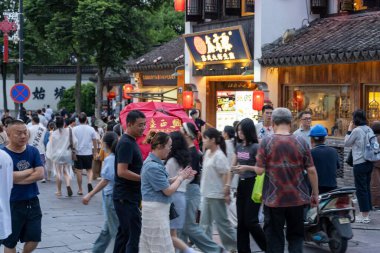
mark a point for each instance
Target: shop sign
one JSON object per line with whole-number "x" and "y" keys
{"x": 165, "y": 125}
{"x": 235, "y": 85}
{"x": 159, "y": 79}
{"x": 218, "y": 46}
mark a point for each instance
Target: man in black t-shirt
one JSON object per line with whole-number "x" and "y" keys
{"x": 127, "y": 192}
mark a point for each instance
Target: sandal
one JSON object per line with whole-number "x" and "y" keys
{"x": 80, "y": 193}
{"x": 58, "y": 194}
{"x": 69, "y": 191}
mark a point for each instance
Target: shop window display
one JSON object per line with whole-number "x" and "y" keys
{"x": 329, "y": 105}
{"x": 232, "y": 106}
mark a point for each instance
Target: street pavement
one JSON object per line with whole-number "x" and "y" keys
{"x": 69, "y": 226}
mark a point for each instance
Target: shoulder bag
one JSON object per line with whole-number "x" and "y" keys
{"x": 71, "y": 146}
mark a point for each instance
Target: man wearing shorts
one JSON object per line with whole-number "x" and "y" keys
{"x": 86, "y": 137}
{"x": 26, "y": 213}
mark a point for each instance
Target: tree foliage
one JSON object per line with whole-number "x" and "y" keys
{"x": 87, "y": 101}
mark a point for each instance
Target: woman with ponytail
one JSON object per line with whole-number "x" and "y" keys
{"x": 106, "y": 184}
{"x": 157, "y": 190}
{"x": 215, "y": 188}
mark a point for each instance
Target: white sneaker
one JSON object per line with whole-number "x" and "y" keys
{"x": 361, "y": 219}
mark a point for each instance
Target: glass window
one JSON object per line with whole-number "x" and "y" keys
{"x": 371, "y": 102}
{"x": 329, "y": 105}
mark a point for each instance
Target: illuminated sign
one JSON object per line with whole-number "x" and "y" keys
{"x": 218, "y": 46}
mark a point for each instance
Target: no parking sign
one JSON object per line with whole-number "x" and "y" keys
{"x": 20, "y": 93}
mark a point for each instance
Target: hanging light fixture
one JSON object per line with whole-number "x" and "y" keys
{"x": 127, "y": 88}
{"x": 111, "y": 95}
{"x": 179, "y": 5}
{"x": 187, "y": 100}
{"x": 258, "y": 100}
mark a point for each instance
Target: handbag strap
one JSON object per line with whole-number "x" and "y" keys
{"x": 71, "y": 138}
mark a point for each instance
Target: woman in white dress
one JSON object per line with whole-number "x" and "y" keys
{"x": 156, "y": 190}
{"x": 215, "y": 188}
{"x": 59, "y": 151}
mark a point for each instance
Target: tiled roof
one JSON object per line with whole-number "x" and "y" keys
{"x": 168, "y": 55}
{"x": 338, "y": 39}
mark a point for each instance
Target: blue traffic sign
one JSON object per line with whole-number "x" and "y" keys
{"x": 20, "y": 93}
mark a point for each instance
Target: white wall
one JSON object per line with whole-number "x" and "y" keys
{"x": 49, "y": 82}
{"x": 272, "y": 19}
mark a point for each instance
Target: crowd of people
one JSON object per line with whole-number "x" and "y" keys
{"x": 173, "y": 196}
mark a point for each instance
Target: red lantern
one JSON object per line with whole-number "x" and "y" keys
{"x": 258, "y": 100}
{"x": 111, "y": 95}
{"x": 187, "y": 99}
{"x": 179, "y": 5}
{"x": 298, "y": 100}
{"x": 127, "y": 88}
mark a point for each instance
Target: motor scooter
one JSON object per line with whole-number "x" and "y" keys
{"x": 330, "y": 222}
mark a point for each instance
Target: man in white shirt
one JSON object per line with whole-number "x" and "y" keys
{"x": 43, "y": 120}
{"x": 86, "y": 137}
{"x": 49, "y": 112}
{"x": 6, "y": 182}
{"x": 265, "y": 128}
{"x": 304, "y": 130}
{"x": 37, "y": 134}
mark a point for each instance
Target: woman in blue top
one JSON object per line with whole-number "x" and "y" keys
{"x": 111, "y": 222}
{"x": 156, "y": 190}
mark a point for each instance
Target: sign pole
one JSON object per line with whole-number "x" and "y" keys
{"x": 21, "y": 43}
{"x": 6, "y": 27}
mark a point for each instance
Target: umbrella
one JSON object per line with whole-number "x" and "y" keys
{"x": 160, "y": 117}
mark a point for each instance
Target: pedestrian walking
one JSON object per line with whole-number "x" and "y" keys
{"x": 229, "y": 137}
{"x": 355, "y": 138}
{"x": 59, "y": 152}
{"x": 191, "y": 229}
{"x": 3, "y": 136}
{"x": 325, "y": 158}
{"x": 86, "y": 137}
{"x": 49, "y": 163}
{"x": 37, "y": 134}
{"x": 375, "y": 177}
{"x": 26, "y": 212}
{"x": 177, "y": 160}
{"x": 215, "y": 188}
{"x": 247, "y": 210}
{"x": 304, "y": 129}
{"x": 127, "y": 188}
{"x": 96, "y": 162}
{"x": 265, "y": 128}
{"x": 284, "y": 157}
{"x": 6, "y": 181}
{"x": 111, "y": 222}
{"x": 43, "y": 120}
{"x": 157, "y": 188}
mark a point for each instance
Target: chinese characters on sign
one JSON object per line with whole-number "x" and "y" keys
{"x": 165, "y": 125}
{"x": 58, "y": 92}
{"x": 218, "y": 46}
{"x": 39, "y": 93}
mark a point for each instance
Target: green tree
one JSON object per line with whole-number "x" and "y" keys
{"x": 53, "y": 20}
{"x": 165, "y": 23}
{"x": 87, "y": 101}
{"x": 112, "y": 31}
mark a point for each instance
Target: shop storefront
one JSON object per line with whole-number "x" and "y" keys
{"x": 157, "y": 75}
{"x": 221, "y": 54}
{"x": 329, "y": 70}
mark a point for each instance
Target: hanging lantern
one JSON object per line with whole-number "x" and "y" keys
{"x": 179, "y": 5}
{"x": 187, "y": 99}
{"x": 127, "y": 88}
{"x": 111, "y": 95}
{"x": 298, "y": 100}
{"x": 258, "y": 100}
